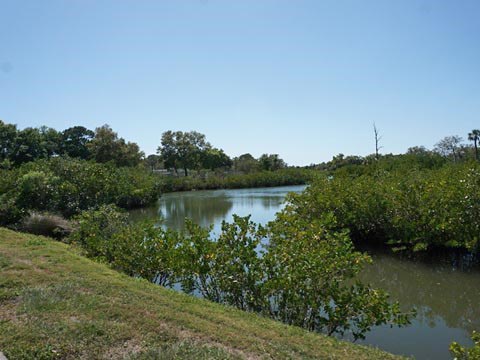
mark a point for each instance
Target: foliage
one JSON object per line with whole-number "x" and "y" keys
{"x": 68, "y": 186}
{"x": 409, "y": 207}
{"x": 271, "y": 162}
{"x": 450, "y": 146}
{"x": 57, "y": 304}
{"x": 94, "y": 230}
{"x": 310, "y": 267}
{"x": 107, "y": 146}
{"x": 213, "y": 158}
{"x": 74, "y": 142}
{"x": 475, "y": 137}
{"x": 184, "y": 150}
{"x": 228, "y": 269}
{"x": 290, "y": 176}
{"x": 462, "y": 353}
{"x": 21, "y": 146}
{"x": 246, "y": 163}
{"x": 305, "y": 275}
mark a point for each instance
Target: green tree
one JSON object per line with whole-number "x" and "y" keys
{"x": 153, "y": 161}
{"x": 107, "y": 146}
{"x": 29, "y": 146}
{"x": 475, "y": 137}
{"x": 8, "y": 134}
{"x": 271, "y": 162}
{"x": 74, "y": 142}
{"x": 246, "y": 163}
{"x": 215, "y": 158}
{"x": 450, "y": 146}
{"x": 183, "y": 149}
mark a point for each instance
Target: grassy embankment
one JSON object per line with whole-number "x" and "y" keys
{"x": 55, "y": 303}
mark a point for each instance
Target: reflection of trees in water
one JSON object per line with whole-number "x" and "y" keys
{"x": 202, "y": 210}
{"x": 267, "y": 202}
{"x": 435, "y": 290}
{"x": 150, "y": 213}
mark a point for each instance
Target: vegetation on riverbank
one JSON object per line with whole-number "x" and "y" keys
{"x": 66, "y": 187}
{"x": 305, "y": 275}
{"x": 408, "y": 207}
{"x": 56, "y": 304}
{"x": 282, "y": 177}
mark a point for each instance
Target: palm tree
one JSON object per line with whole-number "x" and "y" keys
{"x": 475, "y": 137}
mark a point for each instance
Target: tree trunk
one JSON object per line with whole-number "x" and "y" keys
{"x": 186, "y": 172}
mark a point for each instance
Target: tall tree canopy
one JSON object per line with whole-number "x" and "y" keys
{"x": 450, "y": 146}
{"x": 107, "y": 146}
{"x": 271, "y": 162}
{"x": 74, "y": 142}
{"x": 185, "y": 150}
{"x": 246, "y": 163}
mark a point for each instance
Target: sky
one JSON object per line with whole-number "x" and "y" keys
{"x": 304, "y": 79}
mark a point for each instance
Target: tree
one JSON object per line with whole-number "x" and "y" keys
{"x": 246, "y": 163}
{"x": 183, "y": 149}
{"x": 153, "y": 161}
{"x": 475, "y": 137}
{"x": 28, "y": 146}
{"x": 107, "y": 146}
{"x": 8, "y": 135}
{"x": 271, "y": 162}
{"x": 215, "y": 158}
{"x": 74, "y": 142}
{"x": 377, "y": 141}
{"x": 449, "y": 146}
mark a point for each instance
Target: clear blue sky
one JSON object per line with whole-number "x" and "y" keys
{"x": 305, "y": 79}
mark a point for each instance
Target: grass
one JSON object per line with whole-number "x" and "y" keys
{"x": 56, "y": 304}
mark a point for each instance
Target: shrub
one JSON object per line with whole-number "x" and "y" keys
{"x": 94, "y": 230}
{"x": 46, "y": 224}
{"x": 69, "y": 186}
{"x": 463, "y": 353}
{"x": 414, "y": 209}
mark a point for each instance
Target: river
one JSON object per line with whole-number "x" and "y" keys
{"x": 447, "y": 297}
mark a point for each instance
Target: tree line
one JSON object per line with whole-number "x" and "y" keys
{"x": 178, "y": 150}
{"x": 102, "y": 145}
{"x": 449, "y": 149}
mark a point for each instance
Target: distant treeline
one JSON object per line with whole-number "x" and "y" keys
{"x": 449, "y": 149}
{"x": 178, "y": 150}
{"x": 282, "y": 177}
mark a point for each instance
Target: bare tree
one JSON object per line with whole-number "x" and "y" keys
{"x": 449, "y": 146}
{"x": 377, "y": 141}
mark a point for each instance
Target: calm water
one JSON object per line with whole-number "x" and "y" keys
{"x": 447, "y": 298}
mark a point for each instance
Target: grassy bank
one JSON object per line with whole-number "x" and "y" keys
{"x": 57, "y": 304}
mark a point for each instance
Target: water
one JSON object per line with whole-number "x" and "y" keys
{"x": 447, "y": 298}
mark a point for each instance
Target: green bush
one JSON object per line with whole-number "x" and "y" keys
{"x": 463, "y": 353}
{"x": 281, "y": 177}
{"x": 69, "y": 186}
{"x": 305, "y": 275}
{"x": 413, "y": 209}
{"x": 94, "y": 231}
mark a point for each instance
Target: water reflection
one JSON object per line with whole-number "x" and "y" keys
{"x": 446, "y": 299}
{"x": 212, "y": 207}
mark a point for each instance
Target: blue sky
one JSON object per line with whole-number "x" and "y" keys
{"x": 305, "y": 79}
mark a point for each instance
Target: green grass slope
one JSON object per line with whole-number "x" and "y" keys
{"x": 56, "y": 304}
